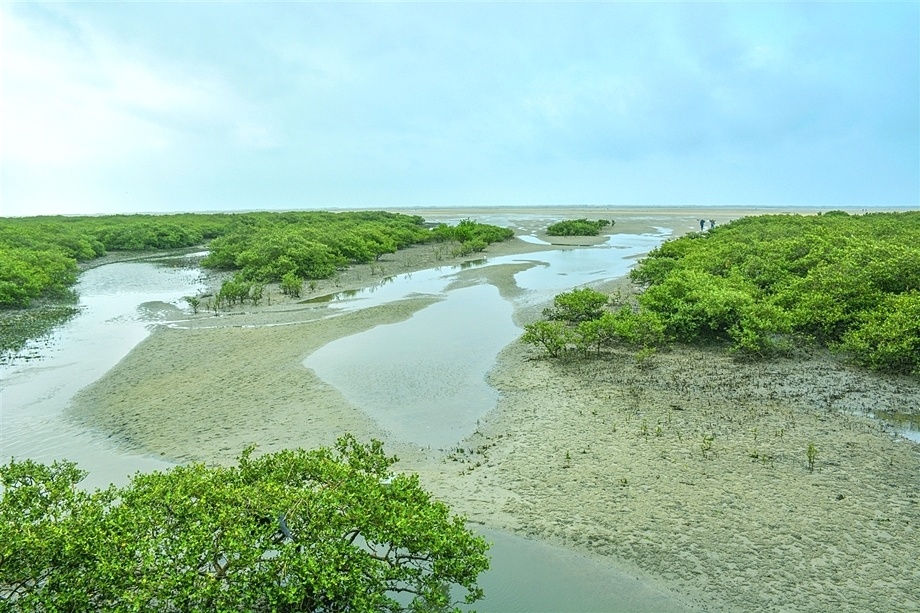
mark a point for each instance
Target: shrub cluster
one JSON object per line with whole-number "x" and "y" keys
{"x": 472, "y": 235}
{"x": 322, "y": 530}
{"x": 290, "y": 247}
{"x": 848, "y": 282}
{"x": 581, "y": 321}
{"x": 577, "y": 227}
{"x": 39, "y": 255}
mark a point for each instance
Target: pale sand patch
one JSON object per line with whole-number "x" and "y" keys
{"x": 603, "y": 456}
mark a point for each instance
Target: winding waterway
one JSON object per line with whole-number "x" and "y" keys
{"x": 438, "y": 358}
{"x": 434, "y": 359}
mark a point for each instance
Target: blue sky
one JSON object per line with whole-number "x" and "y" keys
{"x": 160, "y": 107}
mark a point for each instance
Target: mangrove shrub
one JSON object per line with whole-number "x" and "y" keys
{"x": 577, "y": 227}
{"x": 324, "y": 530}
{"x": 845, "y": 281}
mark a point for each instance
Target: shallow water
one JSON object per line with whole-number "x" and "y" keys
{"x": 530, "y": 576}
{"x": 905, "y": 424}
{"x": 423, "y": 379}
{"x": 118, "y": 303}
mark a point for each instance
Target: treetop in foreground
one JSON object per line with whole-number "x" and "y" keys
{"x": 322, "y": 530}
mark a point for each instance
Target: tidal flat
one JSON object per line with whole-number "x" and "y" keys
{"x": 685, "y": 468}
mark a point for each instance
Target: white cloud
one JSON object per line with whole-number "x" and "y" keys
{"x": 79, "y": 99}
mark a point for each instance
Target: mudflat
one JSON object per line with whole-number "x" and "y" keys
{"x": 684, "y": 467}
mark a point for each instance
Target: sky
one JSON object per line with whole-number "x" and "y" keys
{"x": 129, "y": 107}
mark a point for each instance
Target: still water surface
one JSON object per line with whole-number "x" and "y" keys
{"x": 423, "y": 379}
{"x": 118, "y": 305}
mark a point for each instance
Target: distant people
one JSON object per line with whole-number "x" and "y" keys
{"x": 702, "y": 225}
{"x": 712, "y": 224}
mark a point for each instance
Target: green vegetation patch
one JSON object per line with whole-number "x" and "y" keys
{"x": 761, "y": 284}
{"x": 577, "y": 227}
{"x": 39, "y": 256}
{"x": 323, "y": 530}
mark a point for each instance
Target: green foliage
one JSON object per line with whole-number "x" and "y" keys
{"x": 846, "y": 281}
{"x": 476, "y": 235}
{"x": 235, "y": 290}
{"x": 577, "y": 227}
{"x": 888, "y": 336}
{"x": 323, "y": 530}
{"x": 193, "y": 301}
{"x": 39, "y": 255}
{"x": 581, "y": 304}
{"x": 26, "y": 275}
{"x": 811, "y": 454}
{"x": 292, "y": 284}
{"x": 553, "y": 336}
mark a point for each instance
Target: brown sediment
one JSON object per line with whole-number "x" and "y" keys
{"x": 684, "y": 466}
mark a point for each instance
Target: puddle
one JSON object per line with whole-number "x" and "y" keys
{"x": 905, "y": 424}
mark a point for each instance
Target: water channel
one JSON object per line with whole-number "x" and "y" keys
{"x": 121, "y": 303}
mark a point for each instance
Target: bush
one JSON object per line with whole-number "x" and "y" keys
{"x": 291, "y": 284}
{"x": 324, "y": 530}
{"x": 577, "y": 227}
{"x": 845, "y": 281}
{"x": 888, "y": 337}
{"x": 581, "y": 304}
{"x": 553, "y": 336}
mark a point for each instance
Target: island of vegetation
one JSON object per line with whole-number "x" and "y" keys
{"x": 577, "y": 227}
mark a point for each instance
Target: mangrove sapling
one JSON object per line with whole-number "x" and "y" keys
{"x": 292, "y": 284}
{"x": 194, "y": 302}
{"x": 811, "y": 454}
{"x": 706, "y": 443}
{"x": 256, "y": 292}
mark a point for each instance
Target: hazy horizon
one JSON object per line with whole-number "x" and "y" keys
{"x": 222, "y": 107}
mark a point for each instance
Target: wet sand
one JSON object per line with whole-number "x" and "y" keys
{"x": 686, "y": 468}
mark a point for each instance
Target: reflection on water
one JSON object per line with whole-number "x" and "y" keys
{"x": 906, "y": 424}
{"x": 423, "y": 379}
{"x": 552, "y": 272}
{"x": 117, "y": 303}
{"x": 534, "y": 577}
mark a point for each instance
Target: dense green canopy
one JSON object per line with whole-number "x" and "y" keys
{"x": 577, "y": 227}
{"x": 324, "y": 530}
{"x": 849, "y": 282}
{"x": 39, "y": 255}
